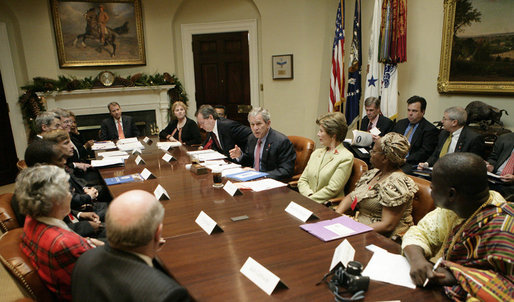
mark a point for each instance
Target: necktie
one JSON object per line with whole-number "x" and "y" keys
{"x": 120, "y": 131}
{"x": 509, "y": 167}
{"x": 446, "y": 146}
{"x": 215, "y": 138}
{"x": 370, "y": 125}
{"x": 408, "y": 134}
{"x": 257, "y": 156}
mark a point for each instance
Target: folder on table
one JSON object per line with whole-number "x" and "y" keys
{"x": 247, "y": 175}
{"x": 123, "y": 179}
{"x": 336, "y": 228}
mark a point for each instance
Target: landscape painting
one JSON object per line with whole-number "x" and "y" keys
{"x": 478, "y": 47}
{"x": 98, "y": 33}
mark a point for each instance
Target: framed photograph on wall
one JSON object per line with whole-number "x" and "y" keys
{"x": 282, "y": 67}
{"x": 98, "y": 33}
{"x": 477, "y": 50}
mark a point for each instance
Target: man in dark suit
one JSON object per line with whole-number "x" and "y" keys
{"x": 126, "y": 268}
{"x": 455, "y": 137}
{"x": 374, "y": 117}
{"x": 267, "y": 150}
{"x": 222, "y": 134}
{"x": 46, "y": 121}
{"x": 501, "y": 162}
{"x": 422, "y": 135}
{"x": 117, "y": 126}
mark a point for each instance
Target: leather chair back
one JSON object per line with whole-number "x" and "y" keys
{"x": 422, "y": 202}
{"x": 358, "y": 168}
{"x": 20, "y": 267}
{"x": 304, "y": 148}
{"x": 7, "y": 217}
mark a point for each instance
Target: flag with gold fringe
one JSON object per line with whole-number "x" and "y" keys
{"x": 336, "y": 97}
{"x": 393, "y": 32}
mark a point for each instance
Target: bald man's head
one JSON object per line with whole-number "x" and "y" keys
{"x": 132, "y": 219}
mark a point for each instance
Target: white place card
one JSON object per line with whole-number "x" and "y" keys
{"x": 147, "y": 140}
{"x": 298, "y": 211}
{"x": 261, "y": 276}
{"x": 139, "y": 160}
{"x": 343, "y": 254}
{"x": 160, "y": 193}
{"x": 231, "y": 189}
{"x": 146, "y": 174}
{"x": 207, "y": 223}
{"x": 137, "y": 151}
{"x": 167, "y": 157}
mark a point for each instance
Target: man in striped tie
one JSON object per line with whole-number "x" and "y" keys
{"x": 455, "y": 137}
{"x": 472, "y": 230}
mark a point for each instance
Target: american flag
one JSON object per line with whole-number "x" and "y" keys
{"x": 337, "y": 71}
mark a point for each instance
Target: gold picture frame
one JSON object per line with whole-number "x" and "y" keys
{"x": 456, "y": 70}
{"x": 98, "y": 33}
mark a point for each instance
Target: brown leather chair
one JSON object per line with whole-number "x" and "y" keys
{"x": 358, "y": 168}
{"x": 7, "y": 217}
{"x": 21, "y": 164}
{"x": 423, "y": 202}
{"x": 304, "y": 148}
{"x": 20, "y": 267}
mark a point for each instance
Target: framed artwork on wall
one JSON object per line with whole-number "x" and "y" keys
{"x": 98, "y": 33}
{"x": 282, "y": 67}
{"x": 477, "y": 51}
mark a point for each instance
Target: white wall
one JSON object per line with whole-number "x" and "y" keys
{"x": 304, "y": 28}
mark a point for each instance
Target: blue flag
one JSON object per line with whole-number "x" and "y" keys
{"x": 353, "y": 95}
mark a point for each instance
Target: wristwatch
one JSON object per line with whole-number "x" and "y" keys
{"x": 106, "y": 78}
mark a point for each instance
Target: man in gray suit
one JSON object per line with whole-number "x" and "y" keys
{"x": 117, "y": 126}
{"x": 126, "y": 268}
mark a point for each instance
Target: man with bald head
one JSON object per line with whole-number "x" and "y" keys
{"x": 126, "y": 268}
{"x": 472, "y": 230}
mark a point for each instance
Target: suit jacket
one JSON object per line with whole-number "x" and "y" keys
{"x": 190, "y": 132}
{"x": 322, "y": 180}
{"x": 278, "y": 155}
{"x": 469, "y": 141}
{"x": 231, "y": 133}
{"x": 108, "y": 274}
{"x": 423, "y": 142}
{"x": 501, "y": 150}
{"x": 109, "y": 132}
{"x": 384, "y": 124}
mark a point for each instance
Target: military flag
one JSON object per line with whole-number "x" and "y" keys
{"x": 354, "y": 71}
{"x": 374, "y": 69}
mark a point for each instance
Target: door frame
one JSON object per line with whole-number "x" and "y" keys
{"x": 11, "y": 92}
{"x": 188, "y": 30}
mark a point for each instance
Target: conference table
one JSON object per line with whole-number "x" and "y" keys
{"x": 209, "y": 265}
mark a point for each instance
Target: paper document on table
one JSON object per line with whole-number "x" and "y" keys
{"x": 226, "y": 172}
{"x": 112, "y": 153}
{"x": 261, "y": 185}
{"x": 209, "y": 156}
{"x": 389, "y": 268}
{"x": 167, "y": 145}
{"x": 103, "y": 145}
{"x": 130, "y": 146}
{"x": 200, "y": 152}
{"x": 129, "y": 140}
{"x": 375, "y": 131}
{"x": 107, "y": 161}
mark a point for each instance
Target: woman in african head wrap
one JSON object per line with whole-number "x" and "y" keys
{"x": 383, "y": 196}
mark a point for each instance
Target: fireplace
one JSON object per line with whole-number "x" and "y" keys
{"x": 147, "y": 105}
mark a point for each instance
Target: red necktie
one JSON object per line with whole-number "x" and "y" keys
{"x": 121, "y": 135}
{"x": 215, "y": 138}
{"x": 257, "y": 156}
{"x": 370, "y": 125}
{"x": 509, "y": 167}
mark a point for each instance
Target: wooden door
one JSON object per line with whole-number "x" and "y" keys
{"x": 8, "y": 156}
{"x": 222, "y": 72}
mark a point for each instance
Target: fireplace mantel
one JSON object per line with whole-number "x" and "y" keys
{"x": 95, "y": 101}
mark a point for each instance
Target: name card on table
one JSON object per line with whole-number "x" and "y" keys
{"x": 160, "y": 193}
{"x": 146, "y": 174}
{"x": 231, "y": 189}
{"x": 299, "y": 212}
{"x": 147, "y": 140}
{"x": 261, "y": 276}
{"x": 343, "y": 254}
{"x": 207, "y": 223}
{"x": 167, "y": 157}
{"x": 137, "y": 151}
{"x": 139, "y": 160}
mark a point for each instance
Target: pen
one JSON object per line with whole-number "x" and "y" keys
{"x": 438, "y": 262}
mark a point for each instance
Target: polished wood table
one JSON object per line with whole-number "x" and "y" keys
{"x": 208, "y": 265}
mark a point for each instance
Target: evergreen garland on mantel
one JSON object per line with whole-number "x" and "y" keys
{"x": 31, "y": 104}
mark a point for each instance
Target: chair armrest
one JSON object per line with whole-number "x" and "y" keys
{"x": 335, "y": 201}
{"x": 293, "y": 184}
